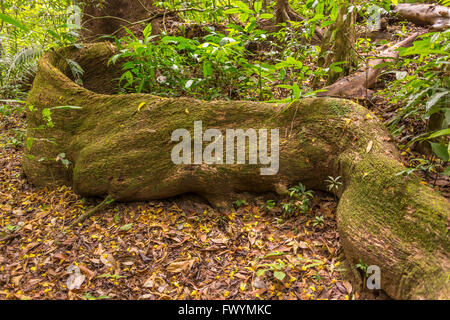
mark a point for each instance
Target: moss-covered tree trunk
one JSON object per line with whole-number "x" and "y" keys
{"x": 120, "y": 147}
{"x": 337, "y": 45}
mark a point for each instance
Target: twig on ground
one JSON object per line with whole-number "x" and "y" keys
{"x": 108, "y": 200}
{"x": 9, "y": 237}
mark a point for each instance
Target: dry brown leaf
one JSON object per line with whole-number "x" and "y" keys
{"x": 369, "y": 146}
{"x": 87, "y": 271}
{"x": 180, "y": 266}
{"x": 348, "y": 286}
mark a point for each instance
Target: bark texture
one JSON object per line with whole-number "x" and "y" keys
{"x": 115, "y": 150}
{"x": 109, "y": 16}
{"x": 337, "y": 45}
{"x": 433, "y": 15}
{"x": 284, "y": 13}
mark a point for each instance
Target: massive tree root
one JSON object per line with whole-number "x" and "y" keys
{"x": 120, "y": 147}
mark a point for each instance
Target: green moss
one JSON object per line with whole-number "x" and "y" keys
{"x": 117, "y": 150}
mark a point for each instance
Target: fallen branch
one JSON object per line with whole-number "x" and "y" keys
{"x": 356, "y": 86}
{"x": 10, "y": 237}
{"x": 433, "y": 15}
{"x": 144, "y": 7}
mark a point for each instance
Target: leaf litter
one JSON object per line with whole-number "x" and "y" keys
{"x": 174, "y": 249}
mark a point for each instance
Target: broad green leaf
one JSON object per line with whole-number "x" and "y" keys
{"x": 232, "y": 11}
{"x": 280, "y": 275}
{"x": 126, "y": 227}
{"x": 266, "y": 16}
{"x": 13, "y": 21}
{"x": 147, "y": 31}
{"x": 260, "y": 272}
{"x": 296, "y": 91}
{"x": 273, "y": 254}
{"x": 441, "y": 150}
{"x": 46, "y": 113}
{"x": 284, "y": 86}
{"x": 439, "y": 133}
{"x": 207, "y": 70}
{"x": 334, "y": 66}
{"x": 326, "y": 23}
{"x": 257, "y": 6}
{"x": 294, "y": 62}
{"x": 244, "y": 7}
{"x": 243, "y": 17}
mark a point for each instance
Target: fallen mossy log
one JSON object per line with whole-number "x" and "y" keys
{"x": 120, "y": 146}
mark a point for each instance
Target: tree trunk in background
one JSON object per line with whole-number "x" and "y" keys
{"x": 338, "y": 43}
{"x": 119, "y": 147}
{"x": 106, "y": 17}
{"x": 284, "y": 13}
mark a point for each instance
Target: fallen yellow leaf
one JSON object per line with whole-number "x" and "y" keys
{"x": 141, "y": 105}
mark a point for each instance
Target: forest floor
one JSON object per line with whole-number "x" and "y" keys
{"x": 174, "y": 249}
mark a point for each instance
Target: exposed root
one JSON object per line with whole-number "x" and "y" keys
{"x": 384, "y": 219}
{"x": 284, "y": 13}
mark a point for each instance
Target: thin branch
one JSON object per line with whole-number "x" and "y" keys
{"x": 144, "y": 7}
{"x": 108, "y": 200}
{"x": 104, "y": 17}
{"x": 9, "y": 237}
{"x": 156, "y": 16}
